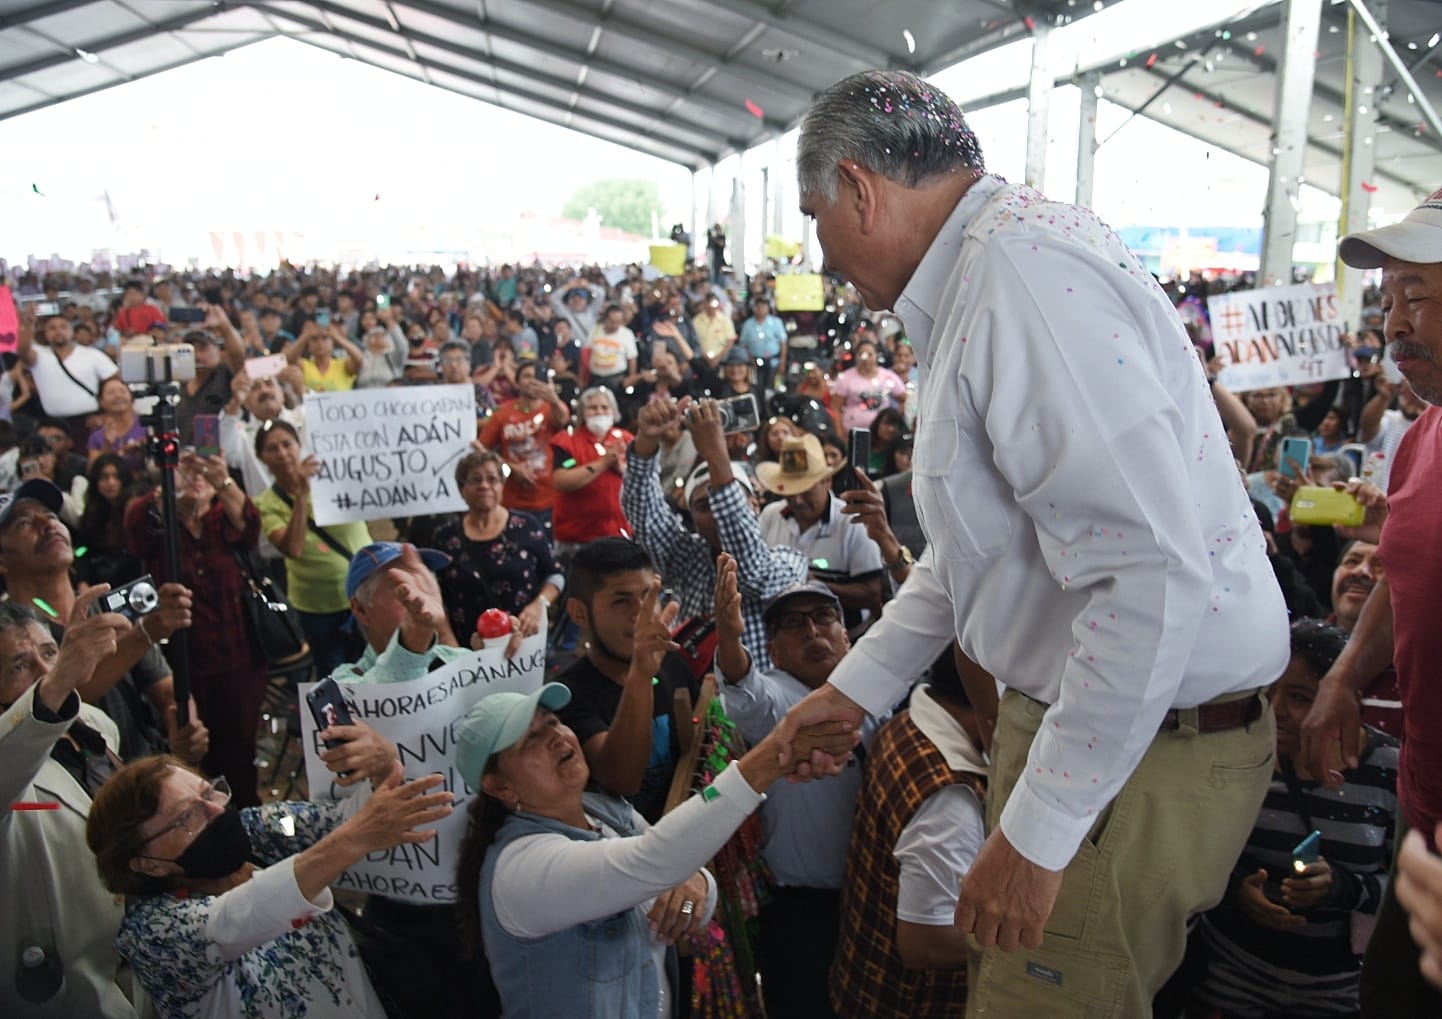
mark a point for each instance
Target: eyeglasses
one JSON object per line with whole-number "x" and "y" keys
{"x": 195, "y": 817}
{"x": 795, "y": 622}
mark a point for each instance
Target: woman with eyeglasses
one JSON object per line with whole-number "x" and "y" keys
{"x": 228, "y": 912}
{"x": 500, "y": 558}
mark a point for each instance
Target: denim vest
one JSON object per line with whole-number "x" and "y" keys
{"x": 603, "y": 968}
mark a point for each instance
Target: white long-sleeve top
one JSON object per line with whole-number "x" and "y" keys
{"x": 1089, "y": 540}
{"x": 546, "y": 883}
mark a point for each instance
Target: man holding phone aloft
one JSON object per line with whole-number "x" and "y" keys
{"x": 1088, "y": 545}
{"x": 722, "y": 503}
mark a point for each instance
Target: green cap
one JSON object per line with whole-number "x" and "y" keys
{"x": 498, "y": 721}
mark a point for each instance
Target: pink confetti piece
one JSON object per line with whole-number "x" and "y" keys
{"x": 755, "y": 110}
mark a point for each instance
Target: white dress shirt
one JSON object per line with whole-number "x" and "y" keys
{"x": 1089, "y": 540}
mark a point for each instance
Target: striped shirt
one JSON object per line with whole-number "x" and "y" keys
{"x": 1256, "y": 971}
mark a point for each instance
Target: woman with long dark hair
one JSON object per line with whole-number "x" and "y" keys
{"x": 102, "y": 554}
{"x": 316, "y": 559}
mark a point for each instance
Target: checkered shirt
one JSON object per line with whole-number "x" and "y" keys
{"x": 685, "y": 559}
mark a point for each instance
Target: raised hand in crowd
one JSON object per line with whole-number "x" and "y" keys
{"x": 420, "y": 595}
{"x": 362, "y": 753}
{"x": 172, "y": 612}
{"x": 88, "y": 641}
{"x": 653, "y": 627}
{"x": 708, "y": 432}
{"x": 865, "y": 506}
{"x": 191, "y": 741}
{"x": 240, "y": 384}
{"x": 1372, "y": 497}
{"x": 653, "y": 419}
{"x": 391, "y": 816}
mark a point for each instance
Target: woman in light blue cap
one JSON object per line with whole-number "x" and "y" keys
{"x": 574, "y": 898}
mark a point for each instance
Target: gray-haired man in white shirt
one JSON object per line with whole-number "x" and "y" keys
{"x": 1088, "y": 544}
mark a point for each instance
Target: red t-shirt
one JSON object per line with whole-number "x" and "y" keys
{"x": 595, "y": 510}
{"x": 523, "y": 435}
{"x": 139, "y": 319}
{"x": 1411, "y": 552}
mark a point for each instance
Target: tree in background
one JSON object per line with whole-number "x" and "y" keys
{"x": 625, "y": 203}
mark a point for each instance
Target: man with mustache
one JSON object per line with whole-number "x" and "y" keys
{"x": 1398, "y": 623}
{"x": 807, "y": 826}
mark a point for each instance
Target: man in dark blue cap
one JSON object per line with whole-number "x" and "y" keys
{"x": 807, "y": 826}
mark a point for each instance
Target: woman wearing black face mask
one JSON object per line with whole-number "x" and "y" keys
{"x": 228, "y": 911}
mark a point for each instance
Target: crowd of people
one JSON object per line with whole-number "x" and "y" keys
{"x": 1042, "y": 683}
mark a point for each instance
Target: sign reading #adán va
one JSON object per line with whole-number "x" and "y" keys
{"x": 1279, "y": 336}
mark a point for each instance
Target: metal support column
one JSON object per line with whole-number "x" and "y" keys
{"x": 1364, "y": 77}
{"x": 1038, "y": 106}
{"x": 1289, "y": 143}
{"x": 1086, "y": 139}
{"x": 780, "y": 172}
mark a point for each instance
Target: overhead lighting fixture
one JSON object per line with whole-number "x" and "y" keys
{"x": 87, "y": 56}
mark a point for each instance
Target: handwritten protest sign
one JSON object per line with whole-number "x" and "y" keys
{"x": 422, "y": 718}
{"x": 388, "y": 452}
{"x": 801, "y": 291}
{"x": 1279, "y": 336}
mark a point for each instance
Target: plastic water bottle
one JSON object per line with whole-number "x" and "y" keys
{"x": 40, "y": 975}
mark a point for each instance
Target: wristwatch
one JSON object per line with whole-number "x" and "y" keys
{"x": 904, "y": 558}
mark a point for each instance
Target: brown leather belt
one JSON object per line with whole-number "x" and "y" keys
{"x": 1216, "y": 717}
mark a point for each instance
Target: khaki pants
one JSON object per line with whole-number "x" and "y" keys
{"x": 1160, "y": 853}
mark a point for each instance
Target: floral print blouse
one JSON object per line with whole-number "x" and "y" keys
{"x": 259, "y": 950}
{"x": 506, "y": 572}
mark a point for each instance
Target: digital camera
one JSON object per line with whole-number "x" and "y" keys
{"x": 133, "y": 600}
{"x": 739, "y": 414}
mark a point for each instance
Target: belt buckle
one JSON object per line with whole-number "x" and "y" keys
{"x": 1189, "y": 722}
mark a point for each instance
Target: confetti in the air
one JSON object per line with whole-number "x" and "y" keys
{"x": 1369, "y": 187}
{"x": 36, "y": 189}
{"x": 910, "y": 40}
{"x": 755, "y": 110}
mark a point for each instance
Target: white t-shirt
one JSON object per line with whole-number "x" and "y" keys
{"x": 939, "y": 844}
{"x": 59, "y": 394}
{"x": 612, "y": 352}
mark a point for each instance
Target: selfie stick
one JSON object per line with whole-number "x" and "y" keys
{"x": 165, "y": 448}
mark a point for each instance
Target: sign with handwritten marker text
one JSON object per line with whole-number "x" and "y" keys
{"x": 388, "y": 452}
{"x": 422, "y": 717}
{"x": 1279, "y": 336}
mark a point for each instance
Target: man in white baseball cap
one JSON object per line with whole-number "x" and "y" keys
{"x": 1398, "y": 624}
